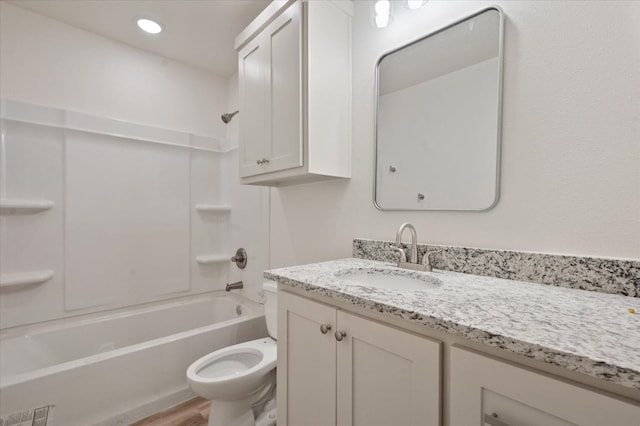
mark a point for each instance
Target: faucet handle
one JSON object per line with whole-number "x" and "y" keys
{"x": 403, "y": 255}
{"x": 426, "y": 260}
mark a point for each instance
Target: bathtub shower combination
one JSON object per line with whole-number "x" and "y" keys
{"x": 96, "y": 367}
{"x": 114, "y": 251}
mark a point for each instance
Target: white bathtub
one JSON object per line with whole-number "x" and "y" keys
{"x": 114, "y": 368}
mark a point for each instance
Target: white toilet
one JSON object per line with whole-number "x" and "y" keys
{"x": 240, "y": 378}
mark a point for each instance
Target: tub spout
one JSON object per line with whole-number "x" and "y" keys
{"x": 234, "y": 286}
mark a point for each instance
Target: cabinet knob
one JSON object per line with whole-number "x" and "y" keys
{"x": 340, "y": 335}
{"x": 324, "y": 328}
{"x": 265, "y": 161}
{"x": 493, "y": 420}
{"x": 258, "y": 161}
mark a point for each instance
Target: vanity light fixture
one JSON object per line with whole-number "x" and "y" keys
{"x": 415, "y": 4}
{"x": 149, "y": 26}
{"x": 382, "y": 13}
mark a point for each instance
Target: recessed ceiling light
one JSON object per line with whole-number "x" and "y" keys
{"x": 149, "y": 26}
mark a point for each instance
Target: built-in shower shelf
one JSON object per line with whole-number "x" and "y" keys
{"x": 212, "y": 258}
{"x": 214, "y": 208}
{"x": 24, "y": 205}
{"x": 25, "y": 278}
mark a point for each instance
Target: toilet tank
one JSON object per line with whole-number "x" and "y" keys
{"x": 270, "y": 289}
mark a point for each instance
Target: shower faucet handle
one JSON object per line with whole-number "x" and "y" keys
{"x": 240, "y": 258}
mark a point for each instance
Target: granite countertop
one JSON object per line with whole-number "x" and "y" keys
{"x": 583, "y": 331}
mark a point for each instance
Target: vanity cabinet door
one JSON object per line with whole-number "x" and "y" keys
{"x": 336, "y": 368}
{"x": 488, "y": 392}
{"x": 386, "y": 376}
{"x": 270, "y": 100}
{"x": 306, "y": 362}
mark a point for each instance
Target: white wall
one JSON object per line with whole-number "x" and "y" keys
{"x": 49, "y": 63}
{"x": 250, "y": 214}
{"x": 570, "y": 153}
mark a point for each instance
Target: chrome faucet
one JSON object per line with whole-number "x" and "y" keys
{"x": 414, "y": 241}
{"x": 413, "y": 257}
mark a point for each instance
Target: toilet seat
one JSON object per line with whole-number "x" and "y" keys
{"x": 233, "y": 372}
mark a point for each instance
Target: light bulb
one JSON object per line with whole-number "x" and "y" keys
{"x": 382, "y": 7}
{"x": 382, "y": 21}
{"x": 382, "y": 13}
{"x": 149, "y": 26}
{"x": 414, "y": 4}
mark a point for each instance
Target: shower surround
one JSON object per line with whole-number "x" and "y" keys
{"x": 133, "y": 213}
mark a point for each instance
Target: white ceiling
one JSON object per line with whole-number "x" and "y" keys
{"x": 196, "y": 32}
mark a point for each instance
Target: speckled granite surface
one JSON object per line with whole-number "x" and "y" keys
{"x": 586, "y": 273}
{"x": 586, "y": 332}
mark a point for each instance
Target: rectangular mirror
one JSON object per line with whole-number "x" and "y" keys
{"x": 438, "y": 119}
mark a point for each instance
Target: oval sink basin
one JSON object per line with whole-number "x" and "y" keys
{"x": 390, "y": 279}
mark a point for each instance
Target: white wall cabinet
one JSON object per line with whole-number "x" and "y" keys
{"x": 338, "y": 368}
{"x": 295, "y": 93}
{"x": 488, "y": 392}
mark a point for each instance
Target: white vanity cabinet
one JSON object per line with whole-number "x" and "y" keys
{"x": 294, "y": 72}
{"x": 488, "y": 392}
{"x": 335, "y": 368}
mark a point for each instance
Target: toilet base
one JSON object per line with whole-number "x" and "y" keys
{"x": 243, "y": 412}
{"x": 231, "y": 413}
{"x": 268, "y": 416}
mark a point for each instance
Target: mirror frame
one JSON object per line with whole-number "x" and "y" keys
{"x": 499, "y": 121}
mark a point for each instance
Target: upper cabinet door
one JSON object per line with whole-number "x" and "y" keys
{"x": 269, "y": 74}
{"x": 285, "y": 149}
{"x": 254, "y": 102}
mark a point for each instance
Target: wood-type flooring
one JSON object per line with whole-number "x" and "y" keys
{"x": 194, "y": 412}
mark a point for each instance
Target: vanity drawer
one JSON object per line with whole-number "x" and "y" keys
{"x": 488, "y": 392}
